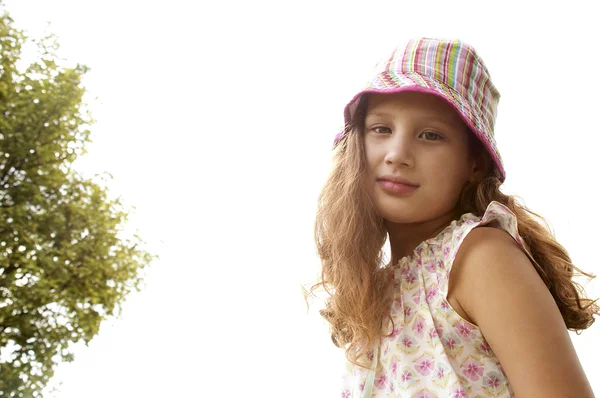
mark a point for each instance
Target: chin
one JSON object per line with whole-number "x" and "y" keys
{"x": 399, "y": 213}
{"x": 400, "y": 219}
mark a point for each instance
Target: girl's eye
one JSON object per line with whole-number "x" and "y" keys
{"x": 382, "y": 130}
{"x": 432, "y": 136}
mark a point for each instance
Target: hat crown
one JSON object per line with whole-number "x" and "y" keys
{"x": 450, "y": 62}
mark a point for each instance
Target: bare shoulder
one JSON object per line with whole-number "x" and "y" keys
{"x": 480, "y": 245}
{"x": 499, "y": 288}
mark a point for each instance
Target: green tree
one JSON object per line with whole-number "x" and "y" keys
{"x": 64, "y": 264}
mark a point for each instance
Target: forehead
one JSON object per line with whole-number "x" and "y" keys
{"x": 413, "y": 104}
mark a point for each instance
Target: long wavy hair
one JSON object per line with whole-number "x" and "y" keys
{"x": 350, "y": 238}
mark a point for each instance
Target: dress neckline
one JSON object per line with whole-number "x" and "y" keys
{"x": 428, "y": 242}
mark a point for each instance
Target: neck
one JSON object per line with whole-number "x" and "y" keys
{"x": 404, "y": 238}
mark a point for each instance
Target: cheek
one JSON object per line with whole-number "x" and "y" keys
{"x": 372, "y": 158}
{"x": 447, "y": 170}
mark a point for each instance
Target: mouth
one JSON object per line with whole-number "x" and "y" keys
{"x": 396, "y": 188}
{"x": 397, "y": 180}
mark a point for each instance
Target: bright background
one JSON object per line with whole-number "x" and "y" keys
{"x": 216, "y": 119}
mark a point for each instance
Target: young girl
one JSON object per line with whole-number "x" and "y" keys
{"x": 478, "y": 296}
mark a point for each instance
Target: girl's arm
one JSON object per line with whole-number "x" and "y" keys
{"x": 498, "y": 287}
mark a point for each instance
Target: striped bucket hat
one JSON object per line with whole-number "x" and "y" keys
{"x": 449, "y": 69}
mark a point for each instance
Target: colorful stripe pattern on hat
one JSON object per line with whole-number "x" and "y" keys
{"x": 449, "y": 68}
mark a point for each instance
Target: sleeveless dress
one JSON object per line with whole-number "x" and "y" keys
{"x": 433, "y": 352}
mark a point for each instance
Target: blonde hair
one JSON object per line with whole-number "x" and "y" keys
{"x": 350, "y": 236}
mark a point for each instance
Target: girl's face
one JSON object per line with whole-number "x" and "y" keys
{"x": 421, "y": 139}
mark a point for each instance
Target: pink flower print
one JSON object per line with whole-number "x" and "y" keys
{"x": 406, "y": 376}
{"x": 407, "y": 311}
{"x": 394, "y": 333}
{"x": 430, "y": 267}
{"x": 346, "y": 394}
{"x": 417, "y": 297}
{"x": 485, "y": 347}
{"x": 381, "y": 381}
{"x": 472, "y": 369}
{"x": 370, "y": 355}
{"x": 410, "y": 278}
{"x": 494, "y": 382}
{"x": 452, "y": 345}
{"x": 464, "y": 330}
{"x": 407, "y": 342}
{"x": 432, "y": 334}
{"x": 424, "y": 394}
{"x": 419, "y": 326}
{"x": 446, "y": 251}
{"x": 450, "y": 342}
{"x": 459, "y": 392}
{"x": 439, "y": 373}
{"x": 386, "y": 349}
{"x": 425, "y": 366}
{"x": 394, "y": 367}
{"x": 432, "y": 294}
{"x": 361, "y": 387}
{"x": 444, "y": 308}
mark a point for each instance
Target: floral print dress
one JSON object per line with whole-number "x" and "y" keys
{"x": 433, "y": 352}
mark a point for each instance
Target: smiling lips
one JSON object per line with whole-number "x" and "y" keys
{"x": 396, "y": 185}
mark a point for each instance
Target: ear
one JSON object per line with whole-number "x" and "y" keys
{"x": 480, "y": 166}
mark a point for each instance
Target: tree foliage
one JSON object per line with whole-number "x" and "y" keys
{"x": 64, "y": 265}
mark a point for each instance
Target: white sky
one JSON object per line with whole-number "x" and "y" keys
{"x": 216, "y": 120}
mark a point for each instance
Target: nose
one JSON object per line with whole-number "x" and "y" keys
{"x": 399, "y": 150}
